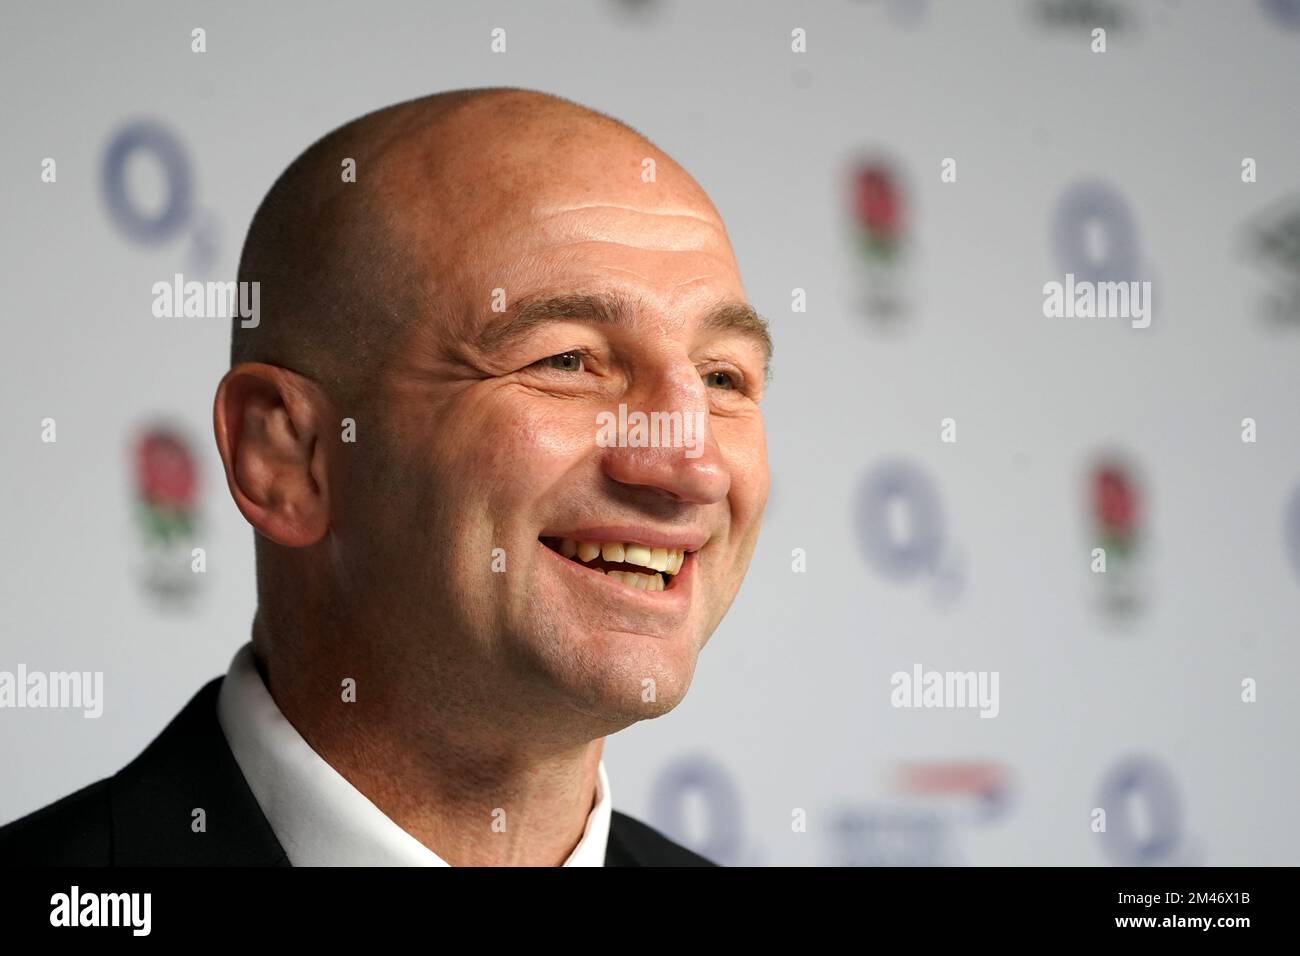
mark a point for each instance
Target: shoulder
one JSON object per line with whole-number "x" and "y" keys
{"x": 633, "y": 843}
{"x": 144, "y": 814}
{"x": 75, "y": 831}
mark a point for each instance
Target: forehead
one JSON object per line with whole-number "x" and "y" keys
{"x": 545, "y": 215}
{"x": 671, "y": 260}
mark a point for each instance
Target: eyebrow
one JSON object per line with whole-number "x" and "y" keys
{"x": 603, "y": 308}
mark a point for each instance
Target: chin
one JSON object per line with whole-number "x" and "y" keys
{"x": 611, "y": 705}
{"x": 608, "y": 674}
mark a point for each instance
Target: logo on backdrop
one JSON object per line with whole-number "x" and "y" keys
{"x": 901, "y": 529}
{"x": 1095, "y": 234}
{"x": 1073, "y": 15}
{"x": 717, "y": 833}
{"x": 890, "y": 835}
{"x": 1273, "y": 244}
{"x": 880, "y": 236}
{"x": 920, "y": 825}
{"x": 1285, "y": 13}
{"x": 980, "y": 791}
{"x": 166, "y": 488}
{"x": 1291, "y": 530}
{"x": 1115, "y": 506}
{"x": 1144, "y": 815}
{"x": 140, "y": 145}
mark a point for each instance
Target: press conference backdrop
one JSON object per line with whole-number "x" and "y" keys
{"x": 950, "y": 464}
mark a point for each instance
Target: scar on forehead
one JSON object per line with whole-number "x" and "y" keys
{"x": 673, "y": 229}
{"x": 547, "y": 211}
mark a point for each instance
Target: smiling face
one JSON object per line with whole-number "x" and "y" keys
{"x": 491, "y": 509}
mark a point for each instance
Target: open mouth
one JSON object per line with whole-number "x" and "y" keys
{"x": 631, "y": 564}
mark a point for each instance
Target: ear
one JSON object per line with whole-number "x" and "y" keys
{"x": 270, "y": 425}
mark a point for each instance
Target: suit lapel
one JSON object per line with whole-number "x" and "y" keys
{"x": 618, "y": 851}
{"x": 189, "y": 767}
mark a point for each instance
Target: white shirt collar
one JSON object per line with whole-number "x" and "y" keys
{"x": 318, "y": 816}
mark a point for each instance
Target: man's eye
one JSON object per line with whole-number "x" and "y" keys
{"x": 719, "y": 380}
{"x": 564, "y": 362}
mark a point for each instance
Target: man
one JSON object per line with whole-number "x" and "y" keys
{"x": 466, "y": 579}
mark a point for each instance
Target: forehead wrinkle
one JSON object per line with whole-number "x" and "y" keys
{"x": 552, "y": 212}
{"x": 670, "y": 248}
{"x": 706, "y": 275}
{"x": 606, "y": 269}
{"x": 565, "y": 259}
{"x": 670, "y": 231}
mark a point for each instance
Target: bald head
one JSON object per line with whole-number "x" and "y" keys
{"x": 344, "y": 266}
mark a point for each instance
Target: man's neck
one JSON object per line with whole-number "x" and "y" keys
{"x": 475, "y": 795}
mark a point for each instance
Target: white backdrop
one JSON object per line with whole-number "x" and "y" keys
{"x": 975, "y": 555}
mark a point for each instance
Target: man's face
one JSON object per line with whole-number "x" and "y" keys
{"x": 502, "y": 466}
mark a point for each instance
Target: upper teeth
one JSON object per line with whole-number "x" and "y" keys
{"x": 656, "y": 559}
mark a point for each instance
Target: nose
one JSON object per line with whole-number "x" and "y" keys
{"x": 661, "y": 440}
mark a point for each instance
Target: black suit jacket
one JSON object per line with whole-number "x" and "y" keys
{"x": 141, "y": 815}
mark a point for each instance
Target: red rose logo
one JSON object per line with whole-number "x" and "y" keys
{"x": 876, "y": 202}
{"x": 165, "y": 473}
{"x": 1115, "y": 501}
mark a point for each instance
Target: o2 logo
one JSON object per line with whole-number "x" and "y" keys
{"x": 723, "y": 838}
{"x": 149, "y": 141}
{"x": 1095, "y": 235}
{"x": 901, "y": 528}
{"x": 1144, "y": 815}
{"x": 1286, "y": 13}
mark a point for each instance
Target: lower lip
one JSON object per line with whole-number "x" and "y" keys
{"x": 673, "y": 598}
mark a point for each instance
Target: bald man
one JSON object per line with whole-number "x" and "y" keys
{"x": 497, "y": 430}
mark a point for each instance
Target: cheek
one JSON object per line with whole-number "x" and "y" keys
{"x": 744, "y": 447}
{"x": 521, "y": 448}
